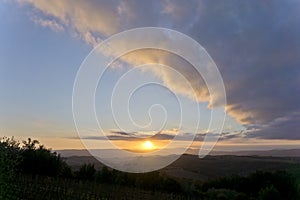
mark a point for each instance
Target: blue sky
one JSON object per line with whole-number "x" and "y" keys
{"x": 256, "y": 46}
{"x": 38, "y": 67}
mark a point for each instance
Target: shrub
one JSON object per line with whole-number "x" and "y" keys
{"x": 86, "y": 172}
{"x": 39, "y": 160}
{"x": 269, "y": 193}
{"x": 9, "y": 160}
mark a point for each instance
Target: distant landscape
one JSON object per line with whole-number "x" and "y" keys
{"x": 31, "y": 170}
{"x": 216, "y": 165}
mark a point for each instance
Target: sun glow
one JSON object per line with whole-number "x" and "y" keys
{"x": 148, "y": 145}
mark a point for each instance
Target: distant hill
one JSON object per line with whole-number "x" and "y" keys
{"x": 275, "y": 152}
{"x": 210, "y": 167}
{"x": 77, "y": 161}
{"x": 191, "y": 167}
{"x": 73, "y": 152}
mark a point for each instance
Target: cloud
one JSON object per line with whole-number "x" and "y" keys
{"x": 182, "y": 14}
{"x": 52, "y": 24}
{"x": 96, "y": 20}
{"x": 184, "y": 80}
{"x": 158, "y": 136}
{"x": 92, "y": 20}
{"x": 162, "y": 135}
{"x": 256, "y": 48}
{"x": 167, "y": 134}
{"x": 256, "y": 51}
{"x": 282, "y": 128}
{"x": 121, "y": 133}
{"x": 255, "y": 44}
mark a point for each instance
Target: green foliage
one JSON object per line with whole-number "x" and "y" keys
{"x": 9, "y": 160}
{"x": 55, "y": 188}
{"x": 9, "y": 157}
{"x": 269, "y": 193}
{"x": 30, "y": 144}
{"x": 39, "y": 160}
{"x": 27, "y": 158}
{"x": 171, "y": 185}
{"x": 148, "y": 181}
{"x": 224, "y": 194}
{"x": 104, "y": 176}
{"x": 86, "y": 172}
{"x": 281, "y": 181}
{"x": 66, "y": 171}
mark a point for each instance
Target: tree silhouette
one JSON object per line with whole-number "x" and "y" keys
{"x": 37, "y": 160}
{"x": 86, "y": 172}
{"x": 9, "y": 160}
{"x": 30, "y": 144}
{"x": 269, "y": 193}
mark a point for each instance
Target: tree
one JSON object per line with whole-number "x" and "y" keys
{"x": 9, "y": 160}
{"x": 30, "y": 144}
{"x": 269, "y": 193}
{"x": 105, "y": 175}
{"x": 86, "y": 172}
{"x": 171, "y": 185}
{"x": 38, "y": 160}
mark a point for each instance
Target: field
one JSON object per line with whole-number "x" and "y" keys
{"x": 48, "y": 188}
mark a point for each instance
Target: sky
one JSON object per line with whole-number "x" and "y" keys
{"x": 255, "y": 45}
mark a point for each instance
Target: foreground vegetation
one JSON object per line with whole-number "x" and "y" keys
{"x": 31, "y": 171}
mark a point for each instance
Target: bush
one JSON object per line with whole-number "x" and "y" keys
{"x": 86, "y": 172}
{"x": 224, "y": 194}
{"x": 39, "y": 160}
{"x": 104, "y": 176}
{"x": 269, "y": 193}
{"x": 281, "y": 181}
{"x": 9, "y": 160}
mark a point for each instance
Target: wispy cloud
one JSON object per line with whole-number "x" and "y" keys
{"x": 162, "y": 135}
{"x": 52, "y": 24}
{"x": 91, "y": 20}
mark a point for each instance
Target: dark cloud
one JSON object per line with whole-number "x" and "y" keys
{"x": 256, "y": 46}
{"x": 121, "y": 133}
{"x": 162, "y": 136}
{"x": 110, "y": 137}
{"x": 282, "y": 128}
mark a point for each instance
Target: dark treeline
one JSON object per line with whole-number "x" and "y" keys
{"x": 30, "y": 165}
{"x": 35, "y": 161}
{"x": 261, "y": 185}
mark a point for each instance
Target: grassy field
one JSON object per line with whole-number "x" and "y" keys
{"x": 48, "y": 188}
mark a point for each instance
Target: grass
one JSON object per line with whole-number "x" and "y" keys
{"x": 47, "y": 188}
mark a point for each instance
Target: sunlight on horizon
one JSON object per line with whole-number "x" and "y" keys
{"x": 148, "y": 145}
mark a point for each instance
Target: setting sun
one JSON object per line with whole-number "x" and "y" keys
{"x": 148, "y": 145}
